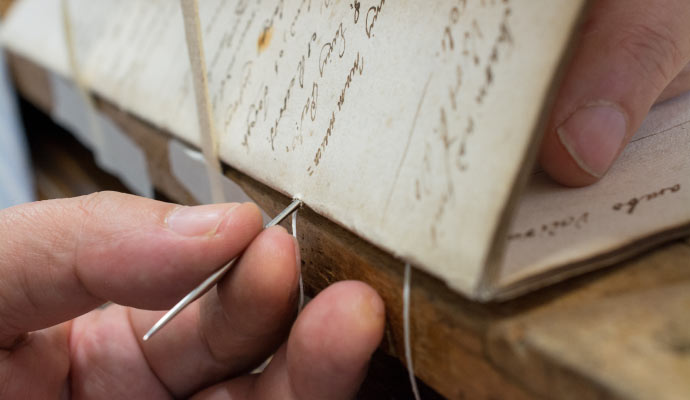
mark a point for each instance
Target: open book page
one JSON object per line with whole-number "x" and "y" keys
{"x": 407, "y": 122}
{"x": 644, "y": 198}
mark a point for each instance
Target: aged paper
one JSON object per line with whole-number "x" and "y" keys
{"x": 407, "y": 122}
{"x": 643, "y": 199}
{"x": 382, "y": 115}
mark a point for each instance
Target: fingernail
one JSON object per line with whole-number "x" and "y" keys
{"x": 593, "y": 135}
{"x": 199, "y": 220}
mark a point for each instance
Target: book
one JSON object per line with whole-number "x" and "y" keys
{"x": 413, "y": 124}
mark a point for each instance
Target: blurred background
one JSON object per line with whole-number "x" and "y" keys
{"x": 16, "y": 182}
{"x": 39, "y": 159}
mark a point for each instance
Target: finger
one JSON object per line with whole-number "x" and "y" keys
{"x": 331, "y": 344}
{"x": 233, "y": 328}
{"x": 327, "y": 353}
{"x": 106, "y": 361}
{"x": 62, "y": 258}
{"x": 629, "y": 52}
{"x": 42, "y": 355}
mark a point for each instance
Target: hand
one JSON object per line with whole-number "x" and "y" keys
{"x": 631, "y": 54}
{"x": 63, "y": 258}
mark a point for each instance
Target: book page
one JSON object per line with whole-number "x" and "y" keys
{"x": 644, "y": 198}
{"x": 406, "y": 122}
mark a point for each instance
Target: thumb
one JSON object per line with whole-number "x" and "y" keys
{"x": 61, "y": 258}
{"x": 630, "y": 51}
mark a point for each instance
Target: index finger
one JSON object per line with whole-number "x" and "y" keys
{"x": 62, "y": 258}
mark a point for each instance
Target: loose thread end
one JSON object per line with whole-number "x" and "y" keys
{"x": 300, "y": 304}
{"x": 406, "y": 330}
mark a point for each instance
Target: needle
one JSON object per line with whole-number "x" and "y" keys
{"x": 214, "y": 278}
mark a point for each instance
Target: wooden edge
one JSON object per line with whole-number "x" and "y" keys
{"x": 623, "y": 333}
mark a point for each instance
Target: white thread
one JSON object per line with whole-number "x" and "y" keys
{"x": 300, "y": 304}
{"x": 406, "y": 330}
{"x": 204, "y": 109}
{"x": 95, "y": 126}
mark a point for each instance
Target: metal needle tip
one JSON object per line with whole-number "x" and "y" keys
{"x": 214, "y": 278}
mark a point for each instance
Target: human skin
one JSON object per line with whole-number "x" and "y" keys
{"x": 631, "y": 54}
{"x": 61, "y": 259}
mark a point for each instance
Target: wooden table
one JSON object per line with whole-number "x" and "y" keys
{"x": 623, "y": 332}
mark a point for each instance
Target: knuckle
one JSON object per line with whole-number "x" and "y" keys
{"x": 654, "y": 50}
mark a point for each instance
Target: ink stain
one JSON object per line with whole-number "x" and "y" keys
{"x": 264, "y": 39}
